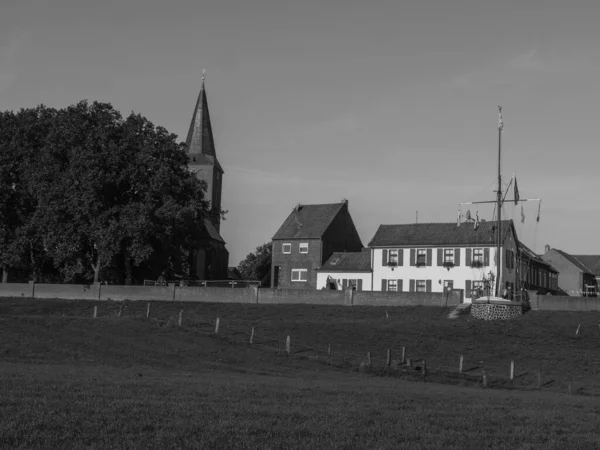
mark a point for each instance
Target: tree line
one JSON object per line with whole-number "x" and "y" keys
{"x": 86, "y": 193}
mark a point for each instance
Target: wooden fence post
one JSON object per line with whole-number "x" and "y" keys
{"x": 95, "y": 312}
{"x": 120, "y": 313}
{"x": 408, "y": 362}
{"x": 512, "y": 370}
{"x": 369, "y": 359}
{"x": 180, "y": 318}
{"x": 460, "y": 364}
{"x": 424, "y": 369}
{"x": 403, "y": 355}
{"x": 148, "y": 311}
{"x": 288, "y": 345}
{"x": 252, "y": 336}
{"x": 217, "y": 326}
{"x": 389, "y": 357}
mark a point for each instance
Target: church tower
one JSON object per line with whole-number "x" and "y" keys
{"x": 210, "y": 260}
{"x": 203, "y": 158}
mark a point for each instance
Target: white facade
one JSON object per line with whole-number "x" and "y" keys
{"x": 362, "y": 280}
{"x": 422, "y": 268}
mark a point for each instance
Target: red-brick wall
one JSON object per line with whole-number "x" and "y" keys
{"x": 296, "y": 260}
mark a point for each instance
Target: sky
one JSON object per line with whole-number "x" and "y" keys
{"x": 391, "y": 105}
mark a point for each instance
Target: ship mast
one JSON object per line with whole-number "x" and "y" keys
{"x": 499, "y": 204}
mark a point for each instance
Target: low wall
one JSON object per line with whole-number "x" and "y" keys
{"x": 566, "y": 303}
{"x": 271, "y": 296}
{"x": 379, "y": 298}
{"x": 305, "y": 296}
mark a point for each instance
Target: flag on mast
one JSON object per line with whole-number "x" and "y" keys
{"x": 522, "y": 215}
{"x": 517, "y": 197}
{"x": 500, "y": 121}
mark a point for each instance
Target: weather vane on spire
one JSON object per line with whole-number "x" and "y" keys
{"x": 203, "y": 72}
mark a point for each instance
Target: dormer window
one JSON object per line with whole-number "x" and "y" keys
{"x": 303, "y": 247}
{"x": 334, "y": 261}
{"x": 287, "y": 248}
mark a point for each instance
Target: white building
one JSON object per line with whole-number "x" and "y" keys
{"x": 431, "y": 257}
{"x": 342, "y": 270}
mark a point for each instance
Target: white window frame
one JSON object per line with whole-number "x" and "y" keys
{"x": 420, "y": 285}
{"x": 393, "y": 257}
{"x": 300, "y": 273}
{"x": 478, "y": 285}
{"x": 289, "y": 247}
{"x": 392, "y": 285}
{"x": 449, "y": 256}
{"x": 421, "y": 252}
{"x": 303, "y": 247}
{"x": 478, "y": 255}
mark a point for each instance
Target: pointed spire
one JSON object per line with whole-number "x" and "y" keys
{"x": 200, "y": 142}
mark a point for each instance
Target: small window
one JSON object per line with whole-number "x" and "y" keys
{"x": 393, "y": 258}
{"x": 421, "y": 286}
{"x": 287, "y": 248}
{"x": 478, "y": 255}
{"x": 421, "y": 257}
{"x": 299, "y": 274}
{"x": 477, "y": 287}
{"x": 303, "y": 247}
{"x": 334, "y": 261}
{"x": 448, "y": 256}
{"x": 392, "y": 285}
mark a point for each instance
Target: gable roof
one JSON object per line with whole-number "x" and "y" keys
{"x": 309, "y": 221}
{"x": 348, "y": 262}
{"x": 200, "y": 142}
{"x": 574, "y": 261}
{"x": 527, "y": 252}
{"x": 592, "y": 262}
{"x": 430, "y": 234}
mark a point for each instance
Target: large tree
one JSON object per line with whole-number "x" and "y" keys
{"x": 257, "y": 265}
{"x": 101, "y": 190}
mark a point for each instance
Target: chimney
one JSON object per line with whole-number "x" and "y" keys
{"x": 546, "y": 248}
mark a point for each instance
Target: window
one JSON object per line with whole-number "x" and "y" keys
{"x": 448, "y": 285}
{"x": 353, "y": 284}
{"x": 478, "y": 255}
{"x": 287, "y": 248}
{"x": 392, "y": 285}
{"x": 303, "y": 247}
{"x": 421, "y": 286}
{"x": 393, "y": 258}
{"x": 510, "y": 259}
{"x": 421, "y": 257}
{"x": 334, "y": 261}
{"x": 448, "y": 256}
{"x": 299, "y": 274}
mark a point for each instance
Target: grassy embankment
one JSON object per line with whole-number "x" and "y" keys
{"x": 67, "y": 380}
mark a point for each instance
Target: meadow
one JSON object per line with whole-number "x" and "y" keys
{"x": 68, "y": 380}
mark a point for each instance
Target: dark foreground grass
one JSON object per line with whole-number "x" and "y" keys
{"x": 76, "y": 382}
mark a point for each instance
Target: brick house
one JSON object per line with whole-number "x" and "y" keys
{"x": 343, "y": 270}
{"x": 306, "y": 239}
{"x": 576, "y": 279}
{"x": 537, "y": 274}
{"x": 436, "y": 257}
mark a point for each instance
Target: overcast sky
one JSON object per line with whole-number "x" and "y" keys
{"x": 389, "y": 104}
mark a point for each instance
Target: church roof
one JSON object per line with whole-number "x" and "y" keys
{"x": 309, "y": 221}
{"x": 211, "y": 232}
{"x": 200, "y": 142}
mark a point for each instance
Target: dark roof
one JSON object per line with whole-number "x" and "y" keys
{"x": 211, "y": 231}
{"x": 348, "y": 262}
{"x": 233, "y": 273}
{"x": 592, "y": 262}
{"x": 308, "y": 221}
{"x": 200, "y": 139}
{"x": 438, "y": 234}
{"x": 573, "y": 260}
{"x": 528, "y": 253}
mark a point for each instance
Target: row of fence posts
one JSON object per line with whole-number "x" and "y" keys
{"x": 404, "y": 359}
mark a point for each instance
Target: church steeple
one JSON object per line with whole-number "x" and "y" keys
{"x": 203, "y": 157}
{"x": 200, "y": 139}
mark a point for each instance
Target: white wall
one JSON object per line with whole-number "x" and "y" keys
{"x": 339, "y": 276}
{"x": 437, "y": 274}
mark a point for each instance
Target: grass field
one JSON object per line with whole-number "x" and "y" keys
{"x": 70, "y": 381}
